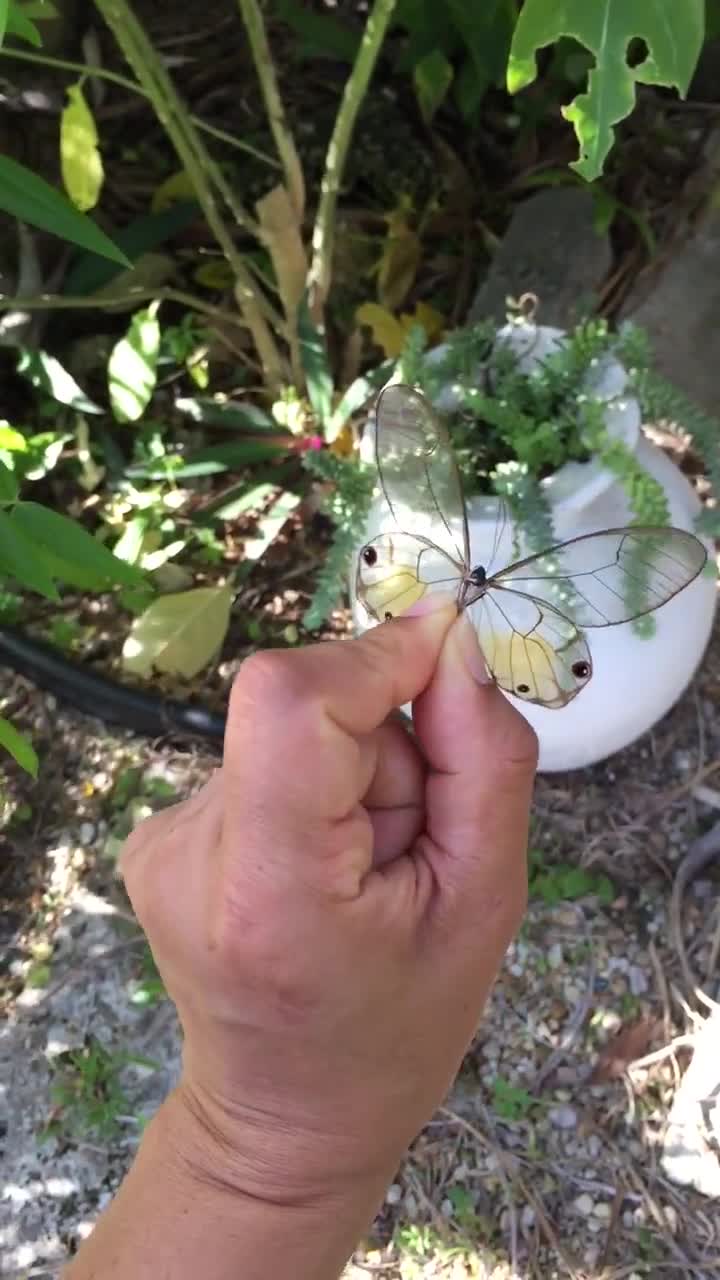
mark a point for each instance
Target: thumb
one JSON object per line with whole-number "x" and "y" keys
{"x": 482, "y": 755}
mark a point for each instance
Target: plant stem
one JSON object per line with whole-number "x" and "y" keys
{"x": 355, "y": 90}
{"x": 199, "y": 166}
{"x": 265, "y": 68}
{"x": 59, "y": 302}
{"x": 99, "y": 73}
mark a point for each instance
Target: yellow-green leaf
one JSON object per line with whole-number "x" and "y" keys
{"x": 179, "y": 634}
{"x": 387, "y": 332}
{"x": 175, "y": 189}
{"x": 82, "y": 166}
{"x": 132, "y": 367}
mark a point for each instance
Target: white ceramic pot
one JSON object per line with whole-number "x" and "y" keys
{"x": 635, "y": 680}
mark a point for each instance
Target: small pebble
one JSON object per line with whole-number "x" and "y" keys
{"x": 638, "y": 980}
{"x": 393, "y": 1194}
{"x": 584, "y": 1205}
{"x": 563, "y": 1117}
{"x": 527, "y": 1217}
{"x": 602, "y": 1211}
{"x": 555, "y": 955}
{"x": 87, "y": 833}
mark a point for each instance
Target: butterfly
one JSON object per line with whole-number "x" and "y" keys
{"x": 530, "y": 617}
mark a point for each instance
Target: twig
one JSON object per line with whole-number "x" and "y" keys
{"x": 701, "y": 851}
{"x": 355, "y": 88}
{"x": 499, "y": 1155}
{"x": 571, "y": 1031}
{"x": 100, "y": 73}
{"x": 200, "y": 168}
{"x": 58, "y": 302}
{"x": 265, "y": 67}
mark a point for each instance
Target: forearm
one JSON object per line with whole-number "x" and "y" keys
{"x": 167, "y": 1221}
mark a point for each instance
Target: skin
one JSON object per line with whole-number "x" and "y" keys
{"x": 329, "y": 914}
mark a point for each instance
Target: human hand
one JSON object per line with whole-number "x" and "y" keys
{"x": 330, "y": 911}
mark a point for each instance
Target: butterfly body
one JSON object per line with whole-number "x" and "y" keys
{"x": 531, "y": 616}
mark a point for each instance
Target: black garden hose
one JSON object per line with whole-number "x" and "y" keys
{"x": 96, "y": 695}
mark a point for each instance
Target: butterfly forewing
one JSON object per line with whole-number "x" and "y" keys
{"x": 531, "y": 649}
{"x": 417, "y": 470}
{"x": 603, "y": 579}
{"x": 395, "y": 570}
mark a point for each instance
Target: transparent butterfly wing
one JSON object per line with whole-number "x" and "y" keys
{"x": 531, "y": 649}
{"x": 395, "y": 570}
{"x": 417, "y": 470}
{"x": 604, "y": 579}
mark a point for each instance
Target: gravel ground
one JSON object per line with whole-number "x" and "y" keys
{"x": 547, "y": 1159}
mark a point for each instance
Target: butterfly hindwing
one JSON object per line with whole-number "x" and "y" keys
{"x": 395, "y": 570}
{"x": 531, "y": 649}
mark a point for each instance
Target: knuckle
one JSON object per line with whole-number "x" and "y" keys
{"x": 267, "y": 679}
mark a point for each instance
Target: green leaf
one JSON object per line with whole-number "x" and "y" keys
{"x": 48, "y": 375}
{"x": 19, "y": 747}
{"x": 26, "y": 196}
{"x": 21, "y": 560}
{"x": 8, "y": 484}
{"x": 320, "y": 33}
{"x": 672, "y": 32}
{"x": 433, "y": 76}
{"x": 486, "y": 30}
{"x": 19, "y": 24}
{"x": 80, "y": 159}
{"x": 208, "y": 462}
{"x": 3, "y": 18}
{"x": 132, "y": 368}
{"x": 179, "y": 634}
{"x": 230, "y": 415}
{"x": 358, "y": 394}
{"x": 236, "y": 502}
{"x": 69, "y": 551}
{"x": 315, "y": 363}
{"x": 89, "y": 273}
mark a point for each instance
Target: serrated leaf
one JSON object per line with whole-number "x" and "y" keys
{"x": 673, "y": 35}
{"x": 26, "y": 196}
{"x": 69, "y": 552}
{"x": 432, "y": 77}
{"x": 132, "y": 367}
{"x": 21, "y": 560}
{"x": 20, "y": 749}
{"x": 19, "y": 24}
{"x": 48, "y": 375}
{"x": 315, "y": 363}
{"x": 80, "y": 159}
{"x": 179, "y": 634}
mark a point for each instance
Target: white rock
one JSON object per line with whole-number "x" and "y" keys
{"x": 527, "y": 1217}
{"x": 602, "y": 1211}
{"x": 555, "y": 955}
{"x": 87, "y": 833}
{"x": 393, "y": 1194}
{"x": 584, "y": 1205}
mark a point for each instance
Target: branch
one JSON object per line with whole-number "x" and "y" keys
{"x": 99, "y": 73}
{"x": 201, "y": 169}
{"x": 355, "y": 89}
{"x": 265, "y": 68}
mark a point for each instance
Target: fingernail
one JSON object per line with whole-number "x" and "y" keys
{"x": 431, "y": 602}
{"x": 464, "y": 637}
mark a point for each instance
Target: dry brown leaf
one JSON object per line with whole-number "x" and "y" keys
{"x": 283, "y": 240}
{"x": 631, "y": 1042}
